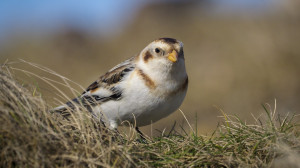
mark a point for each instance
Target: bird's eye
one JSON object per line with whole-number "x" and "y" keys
{"x": 157, "y": 50}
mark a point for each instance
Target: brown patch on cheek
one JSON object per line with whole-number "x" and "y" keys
{"x": 148, "y": 81}
{"x": 147, "y": 56}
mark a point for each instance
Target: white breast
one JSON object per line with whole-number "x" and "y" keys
{"x": 140, "y": 104}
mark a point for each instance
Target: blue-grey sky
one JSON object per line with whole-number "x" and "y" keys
{"x": 34, "y": 16}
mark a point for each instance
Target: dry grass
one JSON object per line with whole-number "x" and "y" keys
{"x": 31, "y": 136}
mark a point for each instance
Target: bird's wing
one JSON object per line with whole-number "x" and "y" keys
{"x": 113, "y": 76}
{"x": 106, "y": 88}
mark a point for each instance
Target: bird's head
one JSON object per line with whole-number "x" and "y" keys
{"x": 163, "y": 56}
{"x": 163, "y": 51}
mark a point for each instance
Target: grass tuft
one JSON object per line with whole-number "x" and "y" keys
{"x": 32, "y": 136}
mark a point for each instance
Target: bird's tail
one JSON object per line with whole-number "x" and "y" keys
{"x": 60, "y": 108}
{"x": 70, "y": 106}
{"x": 65, "y": 109}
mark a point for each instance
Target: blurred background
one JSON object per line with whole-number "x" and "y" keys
{"x": 239, "y": 53}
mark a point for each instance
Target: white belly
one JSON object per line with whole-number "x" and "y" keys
{"x": 140, "y": 105}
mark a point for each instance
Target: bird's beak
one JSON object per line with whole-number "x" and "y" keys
{"x": 173, "y": 56}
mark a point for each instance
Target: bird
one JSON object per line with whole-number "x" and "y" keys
{"x": 141, "y": 90}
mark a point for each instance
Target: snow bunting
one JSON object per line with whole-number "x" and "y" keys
{"x": 142, "y": 89}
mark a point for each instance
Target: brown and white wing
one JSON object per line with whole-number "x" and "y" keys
{"x": 106, "y": 88}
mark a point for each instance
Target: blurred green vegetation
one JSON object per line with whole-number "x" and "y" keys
{"x": 235, "y": 62}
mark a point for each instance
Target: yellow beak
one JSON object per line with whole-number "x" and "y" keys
{"x": 173, "y": 56}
